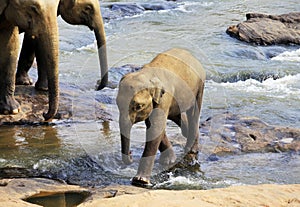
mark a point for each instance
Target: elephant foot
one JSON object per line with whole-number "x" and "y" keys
{"x": 127, "y": 159}
{"x": 140, "y": 181}
{"x": 41, "y": 85}
{"x": 102, "y": 83}
{"x": 9, "y": 106}
{"x": 23, "y": 79}
{"x": 191, "y": 157}
{"x": 167, "y": 157}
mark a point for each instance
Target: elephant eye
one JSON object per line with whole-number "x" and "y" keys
{"x": 140, "y": 107}
{"x": 34, "y": 9}
{"x": 88, "y": 9}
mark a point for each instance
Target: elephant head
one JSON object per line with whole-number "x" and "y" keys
{"x": 38, "y": 19}
{"x": 136, "y": 99}
{"x": 87, "y": 12}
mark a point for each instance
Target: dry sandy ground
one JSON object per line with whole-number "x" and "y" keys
{"x": 13, "y": 191}
{"x": 256, "y": 196}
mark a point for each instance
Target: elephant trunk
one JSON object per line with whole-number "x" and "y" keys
{"x": 101, "y": 44}
{"x": 125, "y": 128}
{"x": 47, "y": 59}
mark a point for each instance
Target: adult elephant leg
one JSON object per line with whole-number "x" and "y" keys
{"x": 9, "y": 52}
{"x": 42, "y": 81}
{"x": 47, "y": 60}
{"x": 156, "y": 125}
{"x": 26, "y": 59}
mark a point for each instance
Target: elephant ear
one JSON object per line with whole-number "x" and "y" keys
{"x": 3, "y": 5}
{"x": 68, "y": 4}
{"x": 157, "y": 90}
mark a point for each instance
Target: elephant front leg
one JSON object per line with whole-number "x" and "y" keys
{"x": 25, "y": 61}
{"x": 9, "y": 52}
{"x": 156, "y": 125}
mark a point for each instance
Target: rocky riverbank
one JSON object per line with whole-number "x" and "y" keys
{"x": 14, "y": 192}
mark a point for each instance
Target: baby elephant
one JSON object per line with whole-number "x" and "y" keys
{"x": 169, "y": 87}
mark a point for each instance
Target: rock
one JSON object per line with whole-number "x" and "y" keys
{"x": 14, "y": 192}
{"x": 263, "y": 29}
{"x": 246, "y": 134}
{"x": 120, "y": 10}
{"x": 34, "y": 103}
{"x": 158, "y": 6}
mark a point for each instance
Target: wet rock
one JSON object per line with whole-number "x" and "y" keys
{"x": 127, "y": 9}
{"x": 14, "y": 192}
{"x": 238, "y": 134}
{"x": 159, "y": 6}
{"x": 263, "y": 29}
{"x": 73, "y": 104}
{"x": 120, "y": 10}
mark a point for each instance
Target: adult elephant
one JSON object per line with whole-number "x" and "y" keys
{"x": 169, "y": 87}
{"x": 38, "y": 19}
{"x": 76, "y": 12}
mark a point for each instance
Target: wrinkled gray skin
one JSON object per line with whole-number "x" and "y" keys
{"x": 38, "y": 19}
{"x": 76, "y": 12}
{"x": 169, "y": 87}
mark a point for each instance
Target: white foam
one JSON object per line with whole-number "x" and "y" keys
{"x": 203, "y": 4}
{"x": 89, "y": 48}
{"x": 183, "y": 7}
{"x": 174, "y": 181}
{"x": 281, "y": 88}
{"x": 293, "y": 56}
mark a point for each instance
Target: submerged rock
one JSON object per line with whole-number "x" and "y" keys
{"x": 121, "y": 10}
{"x": 246, "y": 134}
{"x": 263, "y": 29}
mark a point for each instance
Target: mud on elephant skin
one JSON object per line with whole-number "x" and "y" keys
{"x": 75, "y": 12}
{"x": 38, "y": 19}
{"x": 169, "y": 87}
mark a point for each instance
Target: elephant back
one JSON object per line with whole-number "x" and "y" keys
{"x": 178, "y": 59}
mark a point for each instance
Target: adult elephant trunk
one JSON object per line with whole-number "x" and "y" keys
{"x": 101, "y": 43}
{"x": 125, "y": 128}
{"x": 47, "y": 49}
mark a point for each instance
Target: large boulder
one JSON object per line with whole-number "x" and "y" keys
{"x": 263, "y": 29}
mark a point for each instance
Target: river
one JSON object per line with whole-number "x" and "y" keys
{"x": 243, "y": 79}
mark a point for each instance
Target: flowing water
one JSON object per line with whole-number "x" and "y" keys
{"x": 241, "y": 78}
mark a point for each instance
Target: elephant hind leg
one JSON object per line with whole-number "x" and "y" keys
{"x": 182, "y": 121}
{"x": 167, "y": 156}
{"x": 193, "y": 116}
{"x": 25, "y": 61}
